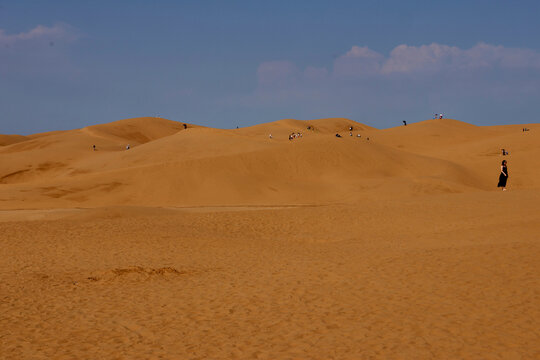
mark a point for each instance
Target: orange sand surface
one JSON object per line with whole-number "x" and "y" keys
{"x": 203, "y": 243}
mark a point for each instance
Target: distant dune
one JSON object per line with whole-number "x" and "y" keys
{"x": 169, "y": 165}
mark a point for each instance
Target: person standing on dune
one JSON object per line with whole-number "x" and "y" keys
{"x": 503, "y": 176}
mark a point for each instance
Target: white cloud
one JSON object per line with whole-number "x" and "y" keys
{"x": 362, "y": 52}
{"x": 362, "y": 62}
{"x": 504, "y": 57}
{"x": 40, "y": 32}
{"x": 431, "y": 58}
{"x": 405, "y": 59}
{"x": 358, "y": 61}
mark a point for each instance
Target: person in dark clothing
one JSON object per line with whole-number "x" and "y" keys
{"x": 337, "y": 135}
{"x": 185, "y": 126}
{"x": 503, "y": 176}
{"x": 404, "y": 123}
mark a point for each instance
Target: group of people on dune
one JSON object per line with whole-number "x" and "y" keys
{"x": 294, "y": 135}
{"x": 297, "y": 135}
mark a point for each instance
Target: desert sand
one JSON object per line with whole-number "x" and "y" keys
{"x": 205, "y": 243}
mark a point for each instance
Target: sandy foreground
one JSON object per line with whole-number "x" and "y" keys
{"x": 399, "y": 247}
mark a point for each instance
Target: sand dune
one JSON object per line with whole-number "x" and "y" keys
{"x": 136, "y": 130}
{"x": 49, "y": 154}
{"x": 10, "y": 139}
{"x": 282, "y": 128}
{"x": 171, "y": 166}
{"x": 205, "y": 243}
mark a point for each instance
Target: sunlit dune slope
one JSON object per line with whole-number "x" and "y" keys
{"x": 478, "y": 148}
{"x": 53, "y": 153}
{"x": 136, "y": 130}
{"x": 282, "y": 128}
{"x": 172, "y": 166}
{"x": 448, "y": 137}
{"x": 431, "y": 135}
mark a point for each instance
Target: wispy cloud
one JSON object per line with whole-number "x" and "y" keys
{"x": 40, "y": 32}
{"x": 405, "y": 59}
{"x": 410, "y": 81}
{"x": 37, "y": 50}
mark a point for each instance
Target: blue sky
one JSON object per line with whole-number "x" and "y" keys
{"x": 69, "y": 64}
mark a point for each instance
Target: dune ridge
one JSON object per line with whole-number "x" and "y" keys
{"x": 172, "y": 166}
